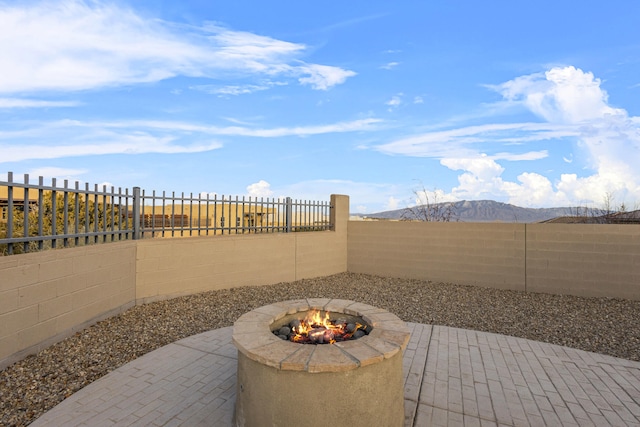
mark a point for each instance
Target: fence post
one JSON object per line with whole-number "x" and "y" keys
{"x": 136, "y": 213}
{"x": 287, "y": 218}
{"x": 10, "y": 212}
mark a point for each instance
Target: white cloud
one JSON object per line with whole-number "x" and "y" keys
{"x": 72, "y": 45}
{"x": 533, "y": 190}
{"x": 100, "y": 143}
{"x": 207, "y": 195}
{"x": 609, "y": 138}
{"x": 390, "y": 65}
{"x": 394, "y": 102}
{"x": 139, "y": 136}
{"x": 392, "y": 203}
{"x": 460, "y": 142}
{"x": 430, "y": 197}
{"x": 339, "y": 127}
{"x": 260, "y": 189}
{"x": 365, "y": 193}
{"x": 531, "y": 155}
{"x": 60, "y": 174}
{"x": 480, "y": 179}
{"x": 322, "y": 77}
{"x": 34, "y": 103}
{"x": 560, "y": 95}
{"x": 573, "y": 106}
{"x": 418, "y": 100}
{"x": 231, "y": 89}
{"x": 483, "y": 167}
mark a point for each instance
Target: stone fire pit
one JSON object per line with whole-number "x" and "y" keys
{"x": 351, "y": 383}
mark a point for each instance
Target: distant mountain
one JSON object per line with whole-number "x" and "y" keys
{"x": 486, "y": 211}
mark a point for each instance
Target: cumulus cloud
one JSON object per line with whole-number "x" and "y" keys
{"x": 571, "y": 105}
{"x": 430, "y": 197}
{"x": 260, "y": 189}
{"x": 481, "y": 176}
{"x": 561, "y": 95}
{"x": 607, "y": 136}
{"x": 366, "y": 193}
{"x": 392, "y": 203}
{"x": 73, "y": 45}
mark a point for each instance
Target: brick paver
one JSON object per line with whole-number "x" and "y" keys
{"x": 453, "y": 377}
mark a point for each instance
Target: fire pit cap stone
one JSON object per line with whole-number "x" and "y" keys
{"x": 252, "y": 336}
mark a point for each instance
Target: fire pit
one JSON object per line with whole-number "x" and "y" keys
{"x": 317, "y": 327}
{"x": 347, "y": 381}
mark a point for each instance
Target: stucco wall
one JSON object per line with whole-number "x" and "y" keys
{"x": 47, "y": 296}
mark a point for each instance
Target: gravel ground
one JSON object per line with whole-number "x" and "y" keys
{"x": 37, "y": 383}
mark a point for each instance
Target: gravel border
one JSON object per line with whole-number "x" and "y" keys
{"x": 37, "y": 383}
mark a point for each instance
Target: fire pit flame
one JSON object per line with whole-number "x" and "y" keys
{"x": 318, "y": 329}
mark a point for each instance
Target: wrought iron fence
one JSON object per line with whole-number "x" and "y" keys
{"x": 34, "y": 217}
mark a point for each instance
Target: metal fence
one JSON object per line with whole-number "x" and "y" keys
{"x": 34, "y": 217}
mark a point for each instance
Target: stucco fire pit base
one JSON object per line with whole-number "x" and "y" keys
{"x": 350, "y": 383}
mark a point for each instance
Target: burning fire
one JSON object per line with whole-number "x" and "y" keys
{"x": 318, "y": 329}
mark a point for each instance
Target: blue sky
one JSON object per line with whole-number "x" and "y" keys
{"x": 531, "y": 103}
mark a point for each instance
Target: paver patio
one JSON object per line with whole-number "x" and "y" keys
{"x": 452, "y": 377}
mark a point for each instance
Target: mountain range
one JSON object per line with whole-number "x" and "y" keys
{"x": 482, "y": 211}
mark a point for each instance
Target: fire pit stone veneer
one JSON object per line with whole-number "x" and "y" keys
{"x": 350, "y": 383}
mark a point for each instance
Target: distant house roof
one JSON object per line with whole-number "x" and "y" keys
{"x": 573, "y": 220}
{"x": 632, "y": 217}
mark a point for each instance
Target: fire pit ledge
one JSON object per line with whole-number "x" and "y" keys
{"x": 252, "y": 337}
{"x": 355, "y": 383}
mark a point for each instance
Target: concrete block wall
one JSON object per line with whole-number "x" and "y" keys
{"x": 490, "y": 255}
{"x": 171, "y": 267}
{"x": 592, "y": 260}
{"x": 47, "y": 296}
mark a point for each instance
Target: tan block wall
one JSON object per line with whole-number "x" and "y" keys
{"x": 584, "y": 259}
{"x": 577, "y": 259}
{"x": 171, "y": 267}
{"x": 321, "y": 253}
{"x": 47, "y": 296}
{"x": 466, "y": 253}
